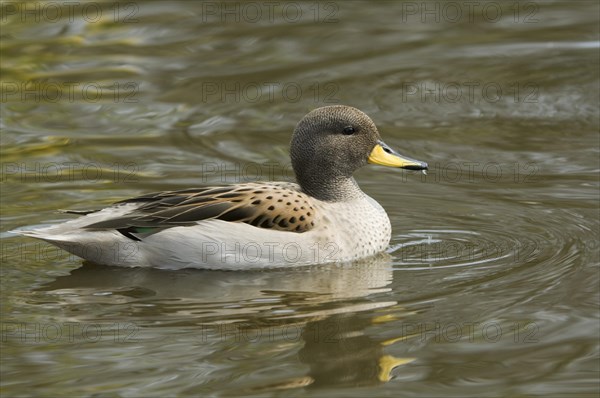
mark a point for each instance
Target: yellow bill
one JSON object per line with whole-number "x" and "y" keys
{"x": 386, "y": 156}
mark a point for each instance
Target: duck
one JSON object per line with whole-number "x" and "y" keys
{"x": 324, "y": 217}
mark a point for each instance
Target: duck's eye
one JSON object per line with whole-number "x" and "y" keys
{"x": 349, "y": 130}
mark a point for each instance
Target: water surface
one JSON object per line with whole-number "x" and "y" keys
{"x": 490, "y": 284}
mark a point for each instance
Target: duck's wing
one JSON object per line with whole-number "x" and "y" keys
{"x": 279, "y": 206}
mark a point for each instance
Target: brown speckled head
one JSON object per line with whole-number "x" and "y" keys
{"x": 329, "y": 144}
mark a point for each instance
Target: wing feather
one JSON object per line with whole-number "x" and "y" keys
{"x": 280, "y": 206}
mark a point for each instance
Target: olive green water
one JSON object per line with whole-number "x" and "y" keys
{"x": 490, "y": 285}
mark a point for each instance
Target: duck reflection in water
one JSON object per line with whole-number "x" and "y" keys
{"x": 324, "y": 304}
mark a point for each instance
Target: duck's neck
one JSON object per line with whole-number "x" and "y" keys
{"x": 330, "y": 188}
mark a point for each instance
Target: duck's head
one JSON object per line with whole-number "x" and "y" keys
{"x": 330, "y": 143}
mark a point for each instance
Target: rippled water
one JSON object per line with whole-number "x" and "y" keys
{"x": 490, "y": 284}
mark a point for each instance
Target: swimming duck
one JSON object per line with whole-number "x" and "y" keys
{"x": 323, "y": 218}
